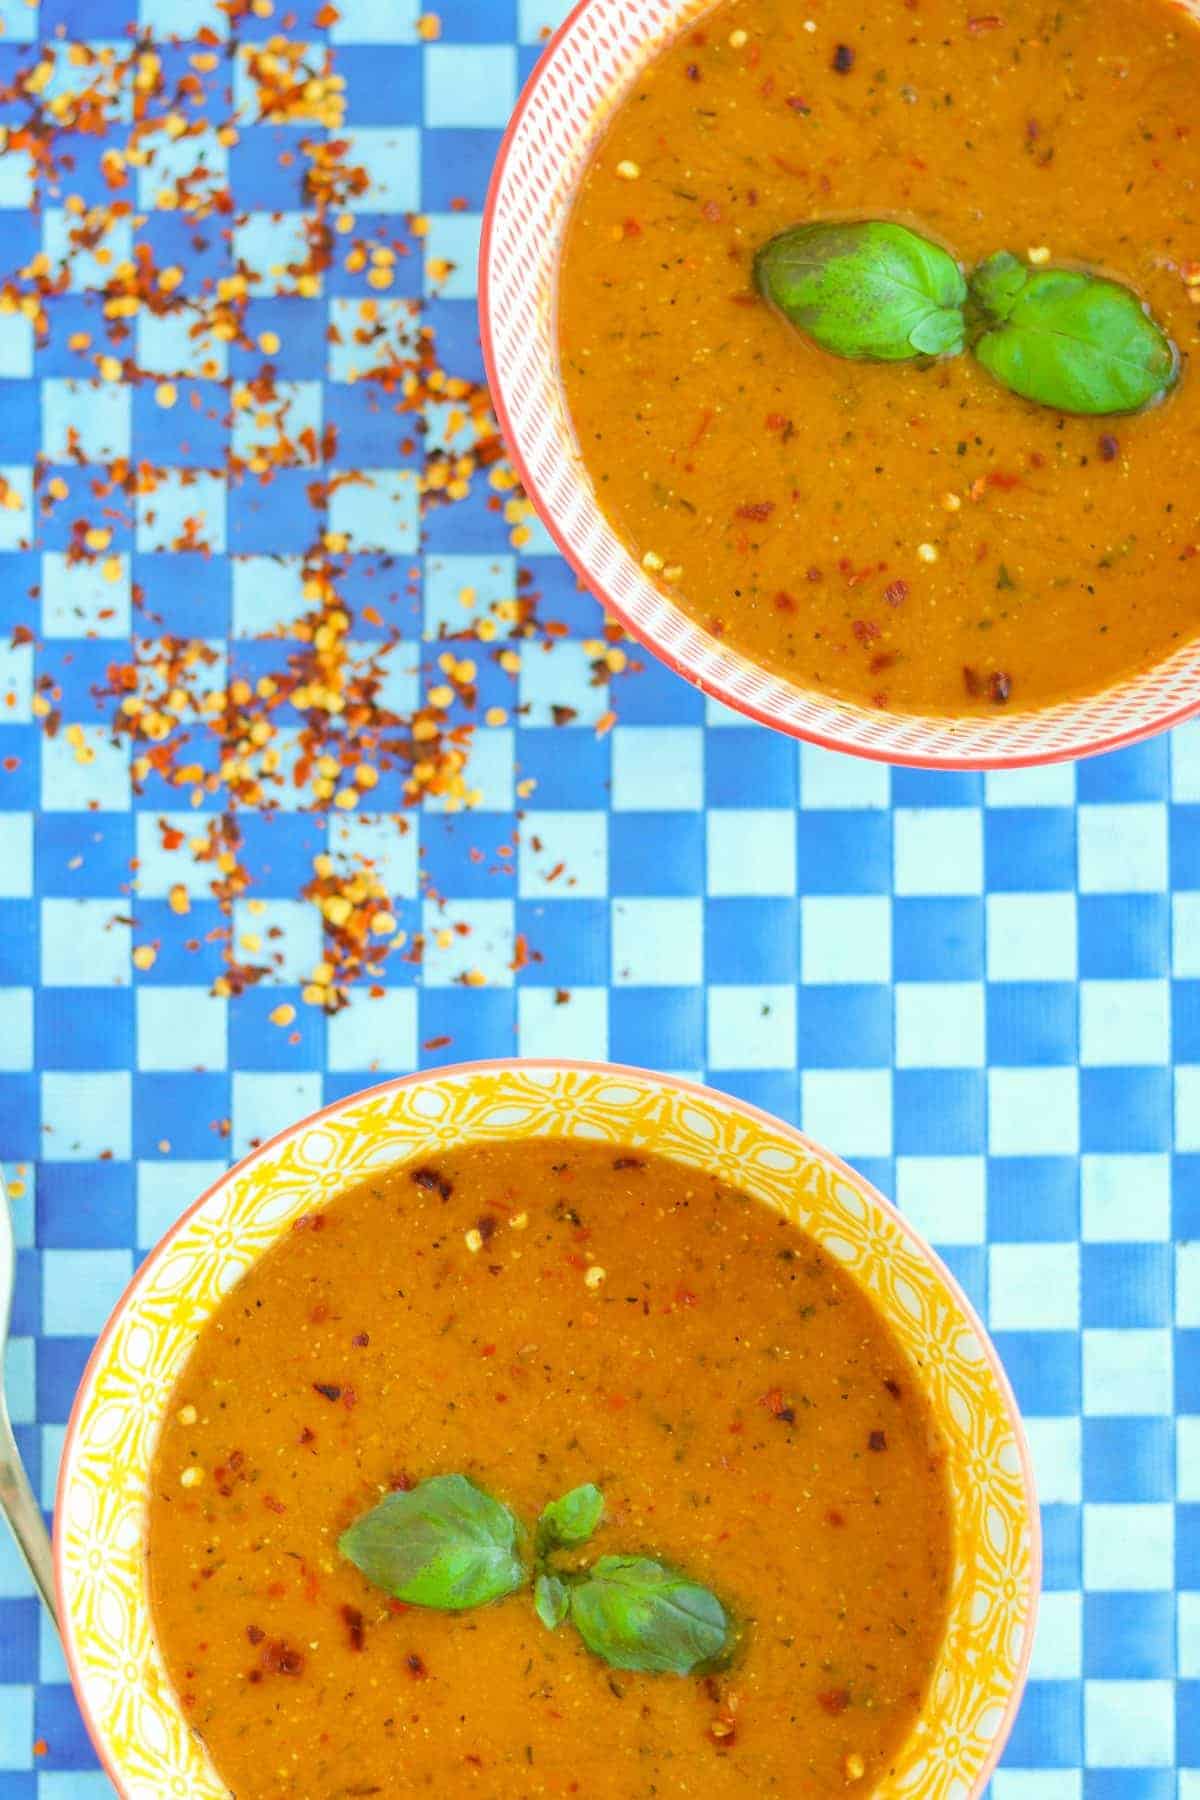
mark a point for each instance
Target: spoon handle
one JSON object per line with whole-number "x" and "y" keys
{"x": 19, "y": 1506}
{"x": 18, "y": 1501}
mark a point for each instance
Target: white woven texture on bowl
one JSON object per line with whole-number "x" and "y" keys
{"x": 583, "y": 74}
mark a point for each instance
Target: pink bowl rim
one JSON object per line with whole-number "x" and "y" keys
{"x": 714, "y": 689}
{"x": 499, "y": 1066}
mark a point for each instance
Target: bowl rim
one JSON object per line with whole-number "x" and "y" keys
{"x": 715, "y": 689}
{"x": 499, "y": 1066}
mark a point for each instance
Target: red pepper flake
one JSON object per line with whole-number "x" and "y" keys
{"x": 349, "y": 1398}
{"x": 693, "y": 72}
{"x": 971, "y": 681}
{"x": 563, "y": 715}
{"x": 834, "y": 1701}
{"x": 893, "y": 1387}
{"x": 834, "y": 1517}
{"x": 985, "y": 22}
{"x": 309, "y": 1222}
{"x": 329, "y": 1390}
{"x": 711, "y": 211}
{"x": 273, "y": 1505}
{"x": 896, "y": 592}
{"x": 756, "y": 509}
{"x": 356, "y": 1631}
{"x": 416, "y": 1666}
{"x": 432, "y": 1182}
{"x": 999, "y": 688}
{"x": 865, "y": 631}
{"x": 784, "y": 602}
{"x": 279, "y": 1658}
{"x": 843, "y": 60}
{"x": 877, "y": 1441}
{"x": 799, "y": 105}
{"x": 706, "y": 419}
{"x": 778, "y": 1407}
{"x": 360, "y": 1340}
{"x": 255, "y": 1633}
{"x": 1110, "y": 447}
{"x": 631, "y": 228}
{"x": 628, "y": 1162}
{"x": 307, "y": 1436}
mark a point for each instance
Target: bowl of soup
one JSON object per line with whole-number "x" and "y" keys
{"x": 892, "y": 549}
{"x": 538, "y": 1428}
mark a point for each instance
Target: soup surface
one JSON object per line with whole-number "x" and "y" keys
{"x": 914, "y": 538}
{"x": 746, "y": 1412}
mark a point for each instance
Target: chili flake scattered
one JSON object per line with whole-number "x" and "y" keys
{"x": 316, "y": 729}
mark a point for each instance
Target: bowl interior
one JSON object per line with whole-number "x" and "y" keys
{"x": 119, "y": 1676}
{"x": 583, "y": 75}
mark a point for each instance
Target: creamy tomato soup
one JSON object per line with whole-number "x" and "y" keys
{"x": 538, "y": 1318}
{"x": 911, "y": 536}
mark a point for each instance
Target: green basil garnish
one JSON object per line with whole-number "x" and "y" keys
{"x": 572, "y": 1519}
{"x": 1077, "y": 342}
{"x": 552, "y": 1600}
{"x": 638, "y": 1614}
{"x": 866, "y": 289}
{"x": 872, "y": 290}
{"x": 444, "y": 1544}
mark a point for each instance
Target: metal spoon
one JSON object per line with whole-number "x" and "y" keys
{"x": 17, "y": 1499}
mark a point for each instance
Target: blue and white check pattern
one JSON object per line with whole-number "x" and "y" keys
{"x": 983, "y": 990}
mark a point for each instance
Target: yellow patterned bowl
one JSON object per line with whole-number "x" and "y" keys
{"x": 136, "y": 1723}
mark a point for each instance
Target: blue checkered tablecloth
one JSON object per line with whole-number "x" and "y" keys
{"x": 985, "y": 991}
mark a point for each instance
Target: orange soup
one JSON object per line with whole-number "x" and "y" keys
{"x": 909, "y": 535}
{"x": 510, "y": 1326}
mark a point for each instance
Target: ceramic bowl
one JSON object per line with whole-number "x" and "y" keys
{"x": 136, "y": 1723}
{"x": 586, "y": 69}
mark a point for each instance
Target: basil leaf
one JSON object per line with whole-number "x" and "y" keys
{"x": 444, "y": 1544}
{"x": 866, "y": 289}
{"x": 552, "y": 1600}
{"x": 572, "y": 1519}
{"x": 639, "y": 1614}
{"x": 1077, "y": 342}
